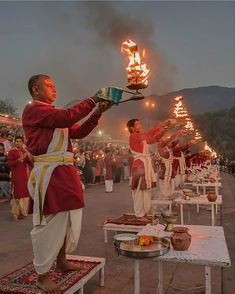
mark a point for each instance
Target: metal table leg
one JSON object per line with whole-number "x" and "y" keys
{"x": 160, "y": 289}
{"x": 208, "y": 279}
{"x": 204, "y": 190}
{"x": 101, "y": 277}
{"x": 137, "y": 276}
{"x": 105, "y": 236}
{"x": 212, "y": 215}
{"x": 182, "y": 214}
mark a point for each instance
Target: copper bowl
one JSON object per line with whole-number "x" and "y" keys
{"x": 137, "y": 86}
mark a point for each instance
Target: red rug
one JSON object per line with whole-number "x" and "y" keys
{"x": 22, "y": 281}
{"x": 130, "y": 219}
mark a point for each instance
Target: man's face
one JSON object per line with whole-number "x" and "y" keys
{"x": 10, "y": 138}
{"x": 137, "y": 127}
{"x": 18, "y": 143}
{"x": 45, "y": 90}
{"x": 1, "y": 150}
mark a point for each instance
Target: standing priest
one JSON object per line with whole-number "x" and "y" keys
{"x": 54, "y": 184}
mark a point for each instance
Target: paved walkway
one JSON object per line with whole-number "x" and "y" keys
{"x": 16, "y": 250}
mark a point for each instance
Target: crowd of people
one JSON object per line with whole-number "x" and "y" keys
{"x": 102, "y": 163}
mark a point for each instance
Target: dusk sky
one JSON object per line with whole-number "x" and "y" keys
{"x": 189, "y": 44}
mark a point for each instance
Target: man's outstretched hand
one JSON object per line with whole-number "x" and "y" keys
{"x": 103, "y": 106}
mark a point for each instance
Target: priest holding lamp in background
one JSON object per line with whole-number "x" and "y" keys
{"x": 54, "y": 183}
{"x": 143, "y": 175}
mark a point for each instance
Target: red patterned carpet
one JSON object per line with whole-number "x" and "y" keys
{"x": 22, "y": 281}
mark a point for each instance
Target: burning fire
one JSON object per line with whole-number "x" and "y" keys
{"x": 180, "y": 110}
{"x": 137, "y": 71}
{"x": 208, "y": 148}
{"x": 197, "y": 135}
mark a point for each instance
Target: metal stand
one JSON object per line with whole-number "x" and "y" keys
{"x": 208, "y": 279}
{"x": 137, "y": 276}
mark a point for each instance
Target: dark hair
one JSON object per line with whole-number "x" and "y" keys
{"x": 2, "y": 145}
{"x": 130, "y": 124}
{"x": 19, "y": 137}
{"x": 34, "y": 80}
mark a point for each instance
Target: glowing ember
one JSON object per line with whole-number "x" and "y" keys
{"x": 137, "y": 71}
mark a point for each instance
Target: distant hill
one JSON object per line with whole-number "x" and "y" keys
{"x": 218, "y": 128}
{"x": 198, "y": 100}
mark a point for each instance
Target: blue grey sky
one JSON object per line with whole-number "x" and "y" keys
{"x": 189, "y": 44}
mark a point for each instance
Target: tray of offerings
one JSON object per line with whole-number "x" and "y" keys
{"x": 130, "y": 245}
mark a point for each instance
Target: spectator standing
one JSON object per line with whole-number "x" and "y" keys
{"x": 8, "y": 144}
{"x": 118, "y": 166}
{"x": 17, "y": 161}
{"x": 108, "y": 163}
{"x": 5, "y": 186}
{"x": 87, "y": 169}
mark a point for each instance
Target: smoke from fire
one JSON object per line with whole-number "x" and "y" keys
{"x": 114, "y": 26}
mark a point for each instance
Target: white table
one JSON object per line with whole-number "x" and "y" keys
{"x": 99, "y": 268}
{"x": 208, "y": 248}
{"x": 216, "y": 186}
{"x": 119, "y": 228}
{"x": 201, "y": 200}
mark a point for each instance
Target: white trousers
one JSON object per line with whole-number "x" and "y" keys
{"x": 166, "y": 188}
{"x": 179, "y": 180}
{"x": 142, "y": 202}
{"x": 108, "y": 185}
{"x": 48, "y": 240}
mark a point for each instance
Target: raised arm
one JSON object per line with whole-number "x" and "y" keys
{"x": 43, "y": 115}
{"x": 81, "y": 131}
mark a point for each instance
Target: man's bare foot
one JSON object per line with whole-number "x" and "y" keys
{"x": 66, "y": 266}
{"x": 47, "y": 285}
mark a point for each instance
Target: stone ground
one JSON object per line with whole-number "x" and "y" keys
{"x": 16, "y": 250}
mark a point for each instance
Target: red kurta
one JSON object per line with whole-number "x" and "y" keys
{"x": 19, "y": 173}
{"x": 136, "y": 141}
{"x": 108, "y": 163}
{"x": 39, "y": 122}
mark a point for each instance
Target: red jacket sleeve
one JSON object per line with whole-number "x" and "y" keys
{"x": 152, "y": 136}
{"x": 43, "y": 115}
{"x": 183, "y": 147}
{"x": 79, "y": 132}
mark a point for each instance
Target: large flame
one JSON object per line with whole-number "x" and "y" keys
{"x": 137, "y": 70}
{"x": 180, "y": 110}
{"x": 209, "y": 149}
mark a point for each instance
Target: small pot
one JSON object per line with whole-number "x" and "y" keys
{"x": 212, "y": 180}
{"x": 211, "y": 196}
{"x": 180, "y": 239}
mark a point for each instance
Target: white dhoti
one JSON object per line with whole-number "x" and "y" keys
{"x": 142, "y": 202}
{"x": 47, "y": 241}
{"x": 166, "y": 188}
{"x": 180, "y": 177}
{"x": 51, "y": 231}
{"x": 142, "y": 198}
{"x": 108, "y": 186}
